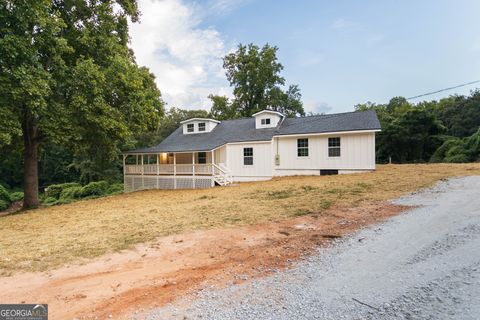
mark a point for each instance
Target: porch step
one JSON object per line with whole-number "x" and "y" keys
{"x": 222, "y": 180}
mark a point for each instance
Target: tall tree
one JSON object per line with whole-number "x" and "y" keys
{"x": 254, "y": 74}
{"x": 67, "y": 76}
{"x": 222, "y": 108}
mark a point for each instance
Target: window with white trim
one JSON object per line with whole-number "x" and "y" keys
{"x": 265, "y": 121}
{"x": 247, "y": 156}
{"x": 302, "y": 147}
{"x": 190, "y": 127}
{"x": 334, "y": 147}
{"x": 201, "y": 127}
{"x": 202, "y": 157}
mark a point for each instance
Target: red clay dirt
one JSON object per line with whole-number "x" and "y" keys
{"x": 159, "y": 272}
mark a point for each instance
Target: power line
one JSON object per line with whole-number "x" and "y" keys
{"x": 446, "y": 89}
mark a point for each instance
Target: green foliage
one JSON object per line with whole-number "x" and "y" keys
{"x": 16, "y": 196}
{"x": 70, "y": 194}
{"x": 222, "y": 108}
{"x": 115, "y": 188}
{"x": 459, "y": 150}
{"x": 98, "y": 188}
{"x": 55, "y": 190}
{"x": 169, "y": 123}
{"x": 5, "y": 195}
{"x": 4, "y": 205}
{"x": 435, "y": 131}
{"x": 254, "y": 74}
{"x": 68, "y": 78}
{"x": 50, "y": 201}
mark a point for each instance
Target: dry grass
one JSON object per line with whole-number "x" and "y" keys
{"x": 48, "y": 237}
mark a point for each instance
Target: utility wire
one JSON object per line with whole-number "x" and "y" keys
{"x": 446, "y": 89}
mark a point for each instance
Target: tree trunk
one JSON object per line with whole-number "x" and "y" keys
{"x": 30, "y": 164}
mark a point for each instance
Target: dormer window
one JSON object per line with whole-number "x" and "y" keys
{"x": 267, "y": 119}
{"x": 198, "y": 125}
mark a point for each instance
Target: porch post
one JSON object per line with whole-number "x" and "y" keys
{"x": 158, "y": 168}
{"x": 174, "y": 170}
{"x": 124, "y": 169}
{"x": 143, "y": 179}
{"x": 211, "y": 167}
{"x": 193, "y": 170}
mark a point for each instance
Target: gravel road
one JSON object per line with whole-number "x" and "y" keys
{"x": 424, "y": 264}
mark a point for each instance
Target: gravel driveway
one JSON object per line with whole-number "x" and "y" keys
{"x": 424, "y": 264}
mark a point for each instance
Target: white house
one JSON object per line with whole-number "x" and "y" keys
{"x": 205, "y": 152}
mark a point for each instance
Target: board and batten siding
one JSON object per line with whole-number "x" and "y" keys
{"x": 357, "y": 153}
{"x": 221, "y": 155}
{"x": 262, "y": 161}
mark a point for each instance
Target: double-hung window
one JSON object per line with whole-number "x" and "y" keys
{"x": 202, "y": 157}
{"x": 247, "y": 156}
{"x": 201, "y": 127}
{"x": 265, "y": 121}
{"x": 190, "y": 127}
{"x": 302, "y": 147}
{"x": 334, "y": 147}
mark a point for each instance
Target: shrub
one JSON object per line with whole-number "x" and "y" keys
{"x": 115, "y": 188}
{"x": 3, "y": 205}
{"x": 16, "y": 196}
{"x": 50, "y": 201}
{"x": 99, "y": 188}
{"x": 55, "y": 190}
{"x": 4, "y": 195}
{"x": 70, "y": 194}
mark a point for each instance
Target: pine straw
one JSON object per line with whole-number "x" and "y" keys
{"x": 44, "y": 238}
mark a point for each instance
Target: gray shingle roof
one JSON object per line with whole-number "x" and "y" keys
{"x": 243, "y": 130}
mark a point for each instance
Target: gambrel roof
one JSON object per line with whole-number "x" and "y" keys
{"x": 243, "y": 130}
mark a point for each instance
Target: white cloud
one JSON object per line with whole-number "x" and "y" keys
{"x": 341, "y": 24}
{"x": 225, "y": 6}
{"x": 185, "y": 57}
{"x": 317, "y": 107}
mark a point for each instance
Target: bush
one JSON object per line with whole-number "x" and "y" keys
{"x": 3, "y": 205}
{"x": 55, "y": 190}
{"x": 99, "y": 188}
{"x": 70, "y": 194}
{"x": 115, "y": 188}
{"x": 16, "y": 196}
{"x": 4, "y": 195}
{"x": 50, "y": 201}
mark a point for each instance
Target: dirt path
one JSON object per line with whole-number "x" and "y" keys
{"x": 157, "y": 273}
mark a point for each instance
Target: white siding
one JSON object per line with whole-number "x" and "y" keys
{"x": 209, "y": 126}
{"x": 262, "y": 161}
{"x": 357, "y": 153}
{"x": 221, "y": 155}
{"x": 274, "y": 120}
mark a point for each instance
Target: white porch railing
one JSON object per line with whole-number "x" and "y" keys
{"x": 179, "y": 169}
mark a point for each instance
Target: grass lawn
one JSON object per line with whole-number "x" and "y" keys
{"x": 44, "y": 238}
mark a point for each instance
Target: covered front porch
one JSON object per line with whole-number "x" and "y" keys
{"x": 174, "y": 170}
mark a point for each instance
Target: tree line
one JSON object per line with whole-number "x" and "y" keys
{"x": 447, "y": 130}
{"x": 72, "y": 98}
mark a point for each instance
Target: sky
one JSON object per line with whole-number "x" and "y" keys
{"x": 340, "y": 53}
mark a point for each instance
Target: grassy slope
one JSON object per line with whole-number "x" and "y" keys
{"x": 48, "y": 237}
